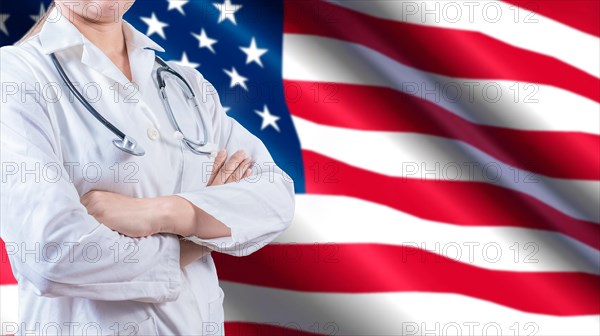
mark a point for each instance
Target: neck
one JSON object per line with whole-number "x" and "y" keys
{"x": 107, "y": 36}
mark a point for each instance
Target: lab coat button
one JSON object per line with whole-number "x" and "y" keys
{"x": 178, "y": 135}
{"x": 153, "y": 133}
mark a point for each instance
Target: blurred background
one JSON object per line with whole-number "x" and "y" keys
{"x": 445, "y": 154}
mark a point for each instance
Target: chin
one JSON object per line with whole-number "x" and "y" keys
{"x": 101, "y": 10}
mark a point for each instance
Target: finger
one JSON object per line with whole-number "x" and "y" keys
{"x": 248, "y": 170}
{"x": 239, "y": 171}
{"x": 230, "y": 166}
{"x": 218, "y": 163}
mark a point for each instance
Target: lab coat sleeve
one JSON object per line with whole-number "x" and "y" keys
{"x": 256, "y": 209}
{"x": 52, "y": 241}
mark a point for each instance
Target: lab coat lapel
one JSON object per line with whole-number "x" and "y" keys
{"x": 97, "y": 60}
{"x": 141, "y": 55}
{"x": 142, "y": 63}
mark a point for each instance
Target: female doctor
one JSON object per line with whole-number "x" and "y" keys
{"x": 110, "y": 231}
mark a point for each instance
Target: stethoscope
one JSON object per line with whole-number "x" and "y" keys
{"x": 127, "y": 143}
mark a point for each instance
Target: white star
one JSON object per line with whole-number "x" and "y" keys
{"x": 3, "y": 18}
{"x": 267, "y": 119}
{"x": 253, "y": 53}
{"x": 40, "y": 14}
{"x": 227, "y": 10}
{"x": 154, "y": 26}
{"x": 236, "y": 79}
{"x": 186, "y": 62}
{"x": 177, "y": 4}
{"x": 205, "y": 41}
{"x": 226, "y": 109}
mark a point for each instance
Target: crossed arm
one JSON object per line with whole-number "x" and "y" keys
{"x": 140, "y": 217}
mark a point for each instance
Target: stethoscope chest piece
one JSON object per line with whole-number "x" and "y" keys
{"x": 129, "y": 145}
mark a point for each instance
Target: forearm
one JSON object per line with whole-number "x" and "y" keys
{"x": 140, "y": 217}
{"x": 183, "y": 218}
{"x": 179, "y": 216}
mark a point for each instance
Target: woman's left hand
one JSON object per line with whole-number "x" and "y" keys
{"x": 134, "y": 217}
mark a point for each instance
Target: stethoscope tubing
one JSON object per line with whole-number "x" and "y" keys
{"x": 83, "y": 101}
{"x": 128, "y": 144}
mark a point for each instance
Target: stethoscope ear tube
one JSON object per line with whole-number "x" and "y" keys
{"x": 124, "y": 143}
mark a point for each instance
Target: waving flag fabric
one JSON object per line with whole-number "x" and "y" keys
{"x": 446, "y": 156}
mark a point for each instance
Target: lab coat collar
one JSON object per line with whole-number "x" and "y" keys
{"x": 59, "y": 33}
{"x": 136, "y": 39}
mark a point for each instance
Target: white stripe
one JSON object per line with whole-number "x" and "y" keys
{"x": 420, "y": 156}
{"x": 9, "y": 306}
{"x": 515, "y": 26}
{"x": 368, "y": 314}
{"x": 319, "y": 59}
{"x": 339, "y": 219}
{"x": 391, "y": 313}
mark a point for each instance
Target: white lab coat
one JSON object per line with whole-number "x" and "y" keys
{"x": 75, "y": 275}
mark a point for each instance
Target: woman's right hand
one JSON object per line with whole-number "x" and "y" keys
{"x": 235, "y": 169}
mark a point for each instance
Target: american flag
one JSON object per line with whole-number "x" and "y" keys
{"x": 446, "y": 156}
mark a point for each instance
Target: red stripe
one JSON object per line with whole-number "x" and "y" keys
{"x": 272, "y": 329}
{"x": 6, "y": 275}
{"x": 570, "y": 155}
{"x": 450, "y": 52}
{"x": 454, "y": 202}
{"x": 372, "y": 268}
{"x": 580, "y": 14}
